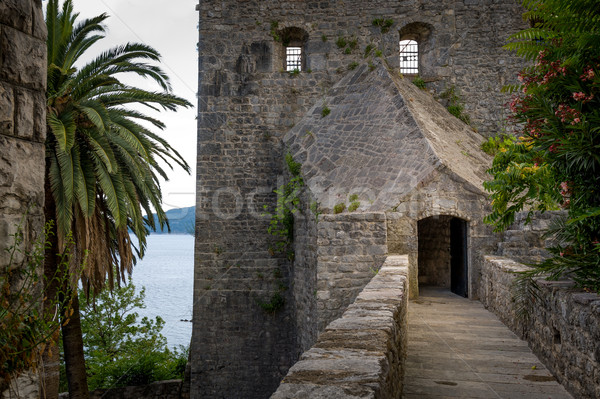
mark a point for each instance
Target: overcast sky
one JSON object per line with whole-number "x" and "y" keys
{"x": 170, "y": 26}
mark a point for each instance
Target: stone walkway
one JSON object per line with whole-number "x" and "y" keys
{"x": 457, "y": 349}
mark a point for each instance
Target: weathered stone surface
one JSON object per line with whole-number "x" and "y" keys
{"x": 18, "y": 14}
{"x": 22, "y": 127}
{"x": 458, "y": 349}
{"x": 524, "y": 241}
{"x": 361, "y": 354}
{"x": 563, "y": 329}
{"x": 22, "y": 59}
{"x": 382, "y": 138}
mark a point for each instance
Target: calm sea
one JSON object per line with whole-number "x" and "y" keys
{"x": 167, "y": 272}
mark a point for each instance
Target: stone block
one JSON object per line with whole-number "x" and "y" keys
{"x": 23, "y": 59}
{"x": 17, "y": 14}
{"x": 7, "y": 109}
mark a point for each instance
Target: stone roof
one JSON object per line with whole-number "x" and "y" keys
{"x": 381, "y": 139}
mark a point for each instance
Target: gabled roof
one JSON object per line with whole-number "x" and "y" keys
{"x": 382, "y": 138}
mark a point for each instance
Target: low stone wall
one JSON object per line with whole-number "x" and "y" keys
{"x": 361, "y": 354}
{"x": 170, "y": 389}
{"x": 563, "y": 329}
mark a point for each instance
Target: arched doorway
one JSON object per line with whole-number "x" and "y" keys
{"x": 442, "y": 253}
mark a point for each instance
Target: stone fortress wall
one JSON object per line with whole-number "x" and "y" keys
{"x": 22, "y": 135}
{"x": 247, "y": 102}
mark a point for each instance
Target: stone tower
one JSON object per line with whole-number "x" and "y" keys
{"x": 263, "y": 65}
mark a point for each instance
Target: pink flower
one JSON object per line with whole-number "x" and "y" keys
{"x": 579, "y": 96}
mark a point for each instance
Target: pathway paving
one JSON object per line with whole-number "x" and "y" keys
{"x": 457, "y": 349}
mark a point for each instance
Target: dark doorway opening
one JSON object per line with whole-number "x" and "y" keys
{"x": 442, "y": 253}
{"x": 459, "y": 267}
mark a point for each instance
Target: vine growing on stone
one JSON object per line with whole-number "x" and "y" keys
{"x": 24, "y": 330}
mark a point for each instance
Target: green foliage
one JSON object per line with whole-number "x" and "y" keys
{"x": 378, "y": 53}
{"x": 314, "y": 207}
{"x": 499, "y": 143}
{"x": 384, "y": 24}
{"x": 556, "y": 160}
{"x": 353, "y": 197}
{"x": 293, "y": 167}
{"x": 325, "y": 111}
{"x": 341, "y": 42}
{"x": 354, "y": 205}
{"x": 339, "y": 208}
{"x": 273, "y": 31}
{"x": 455, "y": 105}
{"x": 348, "y": 50}
{"x": 420, "y": 83}
{"x": 323, "y": 38}
{"x": 119, "y": 349}
{"x": 281, "y": 226}
{"x": 24, "y": 331}
{"x": 353, "y": 43}
{"x": 368, "y": 49}
{"x": 352, "y": 66}
{"x": 276, "y": 303}
{"x": 103, "y": 157}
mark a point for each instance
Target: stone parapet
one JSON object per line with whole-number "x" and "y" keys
{"x": 361, "y": 354}
{"x": 169, "y": 389}
{"x": 563, "y": 328}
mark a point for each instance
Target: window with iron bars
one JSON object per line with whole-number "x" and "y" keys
{"x": 409, "y": 57}
{"x": 293, "y": 58}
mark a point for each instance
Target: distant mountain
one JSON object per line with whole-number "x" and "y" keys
{"x": 181, "y": 220}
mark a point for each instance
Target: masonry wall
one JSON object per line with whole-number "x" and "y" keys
{"x": 361, "y": 354}
{"x": 351, "y": 247}
{"x": 305, "y": 276}
{"x": 22, "y": 133}
{"x": 247, "y": 103}
{"x": 563, "y": 329}
{"x": 442, "y": 194}
{"x": 524, "y": 241}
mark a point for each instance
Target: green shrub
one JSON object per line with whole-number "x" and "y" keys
{"x": 339, "y": 208}
{"x": 293, "y": 167}
{"x": 495, "y": 144}
{"x": 353, "y": 206}
{"x": 420, "y": 83}
{"x": 121, "y": 350}
{"x": 384, "y": 24}
{"x": 455, "y": 106}
{"x": 556, "y": 112}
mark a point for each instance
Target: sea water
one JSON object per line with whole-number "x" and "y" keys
{"x": 167, "y": 272}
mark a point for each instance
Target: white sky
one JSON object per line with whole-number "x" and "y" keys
{"x": 170, "y": 26}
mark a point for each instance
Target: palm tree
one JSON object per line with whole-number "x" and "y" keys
{"x": 102, "y": 163}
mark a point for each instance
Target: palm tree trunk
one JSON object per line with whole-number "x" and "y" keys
{"x": 73, "y": 348}
{"x": 50, "y": 365}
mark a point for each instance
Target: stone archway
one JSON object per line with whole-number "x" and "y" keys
{"x": 442, "y": 253}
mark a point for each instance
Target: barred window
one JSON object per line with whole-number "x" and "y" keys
{"x": 409, "y": 57}
{"x": 293, "y": 58}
